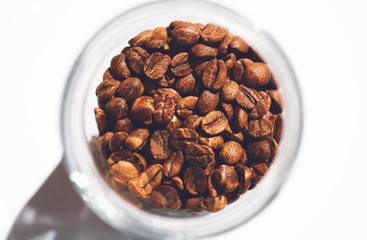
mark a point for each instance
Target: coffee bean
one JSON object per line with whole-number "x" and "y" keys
{"x": 204, "y": 52}
{"x": 180, "y": 65}
{"x": 247, "y": 97}
{"x": 277, "y": 121}
{"x": 211, "y": 189}
{"x": 209, "y": 168}
{"x": 214, "y": 123}
{"x": 229, "y": 91}
{"x": 147, "y": 181}
{"x": 136, "y": 187}
{"x": 239, "y": 45}
{"x": 117, "y": 140}
{"x": 150, "y": 86}
{"x": 137, "y": 139}
{"x": 101, "y": 121}
{"x": 199, "y": 68}
{"x": 273, "y": 148}
{"x": 195, "y": 180}
{"x": 156, "y": 65}
{"x": 178, "y": 183}
{"x": 107, "y": 75}
{"x": 232, "y": 135}
{"x": 227, "y": 109}
{"x": 260, "y": 128}
{"x": 121, "y": 155}
{"x": 173, "y": 124}
{"x": 262, "y": 105}
{"x": 192, "y": 122}
{"x": 185, "y": 85}
{"x": 173, "y": 165}
{"x": 119, "y": 66}
{"x": 125, "y": 171}
{"x": 142, "y": 108}
{"x": 186, "y": 106}
{"x": 276, "y": 101}
{"x": 214, "y": 142}
{"x": 157, "y": 45}
{"x": 259, "y": 170}
{"x": 207, "y": 102}
{"x": 259, "y": 151}
{"x": 130, "y": 89}
{"x": 225, "y": 179}
{"x": 123, "y": 125}
{"x": 230, "y": 60}
{"x": 223, "y": 46}
{"x": 186, "y": 34}
{"x": 104, "y": 144}
{"x": 240, "y": 67}
{"x": 141, "y": 39}
{"x": 136, "y": 58}
{"x": 214, "y": 74}
{"x": 213, "y": 34}
{"x": 160, "y": 33}
{"x": 140, "y": 161}
{"x": 257, "y": 75}
{"x": 106, "y": 90}
{"x": 168, "y": 91}
{"x": 194, "y": 204}
{"x": 167, "y": 80}
{"x": 166, "y": 197}
{"x": 181, "y": 138}
{"x": 164, "y": 109}
{"x": 231, "y": 152}
{"x": 199, "y": 155}
{"x": 116, "y": 109}
{"x": 214, "y": 204}
{"x": 159, "y": 145}
{"x": 240, "y": 119}
{"x": 232, "y": 197}
{"x": 244, "y": 178}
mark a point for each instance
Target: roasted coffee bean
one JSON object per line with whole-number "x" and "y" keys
{"x": 194, "y": 204}
{"x": 106, "y": 90}
{"x": 159, "y": 145}
{"x": 181, "y": 138}
{"x": 136, "y": 58}
{"x": 209, "y": 168}
{"x": 156, "y": 65}
{"x": 117, "y": 140}
{"x": 225, "y": 179}
{"x": 141, "y": 39}
{"x": 185, "y": 85}
{"x": 199, "y": 155}
{"x": 213, "y": 34}
{"x": 207, "y": 102}
{"x": 123, "y": 125}
{"x": 180, "y": 65}
{"x": 168, "y": 91}
{"x": 234, "y": 136}
{"x": 164, "y": 109}
{"x": 231, "y": 152}
{"x": 104, "y": 144}
{"x": 259, "y": 170}
{"x": 276, "y": 101}
{"x": 244, "y": 178}
{"x": 258, "y": 151}
{"x": 239, "y": 45}
{"x": 214, "y": 123}
{"x": 262, "y": 105}
{"x": 186, "y": 34}
{"x": 116, "y": 109}
{"x": 230, "y": 60}
{"x": 166, "y": 197}
{"x": 227, "y": 109}
{"x": 257, "y": 75}
{"x": 214, "y": 142}
{"x": 130, "y": 89}
{"x": 101, "y": 121}
{"x": 121, "y": 155}
{"x": 137, "y": 139}
{"x": 240, "y": 67}
{"x": 195, "y": 180}
{"x": 157, "y": 45}
{"x": 179, "y": 183}
{"x": 119, "y": 66}
{"x": 107, "y": 75}
{"x": 142, "y": 108}
{"x": 214, "y": 204}
{"x": 202, "y": 51}
{"x": 273, "y": 148}
{"x": 167, "y": 80}
{"x": 247, "y": 97}
{"x": 150, "y": 86}
{"x": 173, "y": 165}
{"x": 229, "y": 91}
{"x": 277, "y": 121}
{"x": 199, "y": 68}
{"x": 136, "y": 187}
{"x": 260, "y": 128}
{"x": 214, "y": 74}
{"x": 147, "y": 181}
{"x": 173, "y": 124}
{"x": 140, "y": 161}
{"x": 240, "y": 119}
{"x": 232, "y": 197}
{"x": 223, "y": 46}
{"x": 186, "y": 106}
{"x": 125, "y": 171}
{"x": 160, "y": 33}
{"x": 192, "y": 122}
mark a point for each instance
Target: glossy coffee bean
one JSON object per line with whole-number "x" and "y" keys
{"x": 195, "y": 180}
{"x": 160, "y": 33}
{"x": 180, "y": 65}
{"x": 116, "y": 109}
{"x": 156, "y": 65}
{"x": 137, "y": 139}
{"x": 244, "y": 178}
{"x": 181, "y": 138}
{"x": 130, "y": 89}
{"x": 101, "y": 120}
{"x": 225, "y": 179}
{"x": 119, "y": 66}
{"x": 147, "y": 181}
{"x": 231, "y": 152}
{"x": 140, "y": 161}
{"x": 136, "y": 58}
{"x": 240, "y": 67}
{"x": 276, "y": 101}
{"x": 213, "y": 34}
{"x": 260, "y": 128}
{"x": 164, "y": 109}
{"x": 157, "y": 45}
{"x": 117, "y": 140}
{"x": 106, "y": 89}
{"x": 125, "y": 171}
{"x": 214, "y": 123}
{"x": 104, "y": 144}
{"x": 214, "y": 204}
{"x": 203, "y": 52}
{"x": 214, "y": 74}
{"x": 166, "y": 197}
{"x": 159, "y": 145}
{"x": 207, "y": 102}
{"x": 194, "y": 204}
{"x": 262, "y": 105}
{"x": 239, "y": 45}
{"x": 227, "y": 109}
{"x": 186, "y": 106}
{"x": 121, "y": 155}
{"x": 192, "y": 122}
{"x": 277, "y": 121}
{"x": 123, "y": 125}
{"x": 179, "y": 184}
{"x": 199, "y": 155}
{"x": 214, "y": 142}
{"x": 167, "y": 91}
{"x": 224, "y": 45}
{"x": 230, "y": 134}
{"x": 230, "y": 60}
{"x": 240, "y": 119}
{"x": 258, "y": 151}
{"x": 142, "y": 108}
{"x": 107, "y": 75}
{"x": 247, "y": 97}
{"x": 186, "y": 84}
{"x": 186, "y": 34}
{"x": 173, "y": 165}
{"x": 173, "y": 124}
{"x": 229, "y": 91}
{"x": 259, "y": 170}
{"x": 141, "y": 39}
{"x": 257, "y": 75}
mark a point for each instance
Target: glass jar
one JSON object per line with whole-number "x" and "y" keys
{"x": 79, "y": 127}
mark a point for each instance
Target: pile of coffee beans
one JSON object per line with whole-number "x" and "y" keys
{"x": 189, "y": 117}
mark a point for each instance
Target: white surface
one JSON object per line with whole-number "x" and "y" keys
{"x": 325, "y": 195}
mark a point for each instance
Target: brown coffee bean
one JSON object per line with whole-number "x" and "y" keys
{"x": 214, "y": 74}
{"x": 202, "y": 51}
{"x": 258, "y": 151}
{"x": 214, "y": 142}
{"x": 262, "y": 105}
{"x": 199, "y": 67}
{"x": 116, "y": 109}
{"x": 199, "y": 155}
{"x": 125, "y": 171}
{"x": 239, "y": 45}
{"x": 156, "y": 65}
{"x": 120, "y": 155}
{"x": 104, "y": 143}
{"x": 227, "y": 109}
{"x": 192, "y": 122}
{"x": 137, "y": 139}
{"x": 214, "y": 204}
{"x": 173, "y": 165}
{"x": 167, "y": 91}
{"x": 276, "y": 101}
{"x": 140, "y": 161}
{"x": 273, "y": 148}
{"x": 141, "y": 39}
{"x": 247, "y": 97}
{"x": 160, "y": 33}
{"x": 195, "y": 180}
{"x": 106, "y": 90}
{"x": 259, "y": 170}
{"x": 213, "y": 34}
{"x": 101, "y": 120}
{"x": 123, "y": 125}
{"x": 186, "y": 106}
{"x": 136, "y": 58}
{"x": 214, "y": 123}
{"x": 225, "y": 179}
{"x": 119, "y": 66}
{"x": 207, "y": 102}
{"x": 150, "y": 86}
{"x": 142, "y": 108}
{"x": 211, "y": 189}
{"x": 257, "y": 75}
{"x": 130, "y": 89}
{"x": 165, "y": 197}
{"x": 230, "y": 60}
{"x": 231, "y": 135}
{"x": 229, "y": 91}
{"x": 117, "y": 140}
{"x": 167, "y": 80}
{"x": 186, "y": 34}
{"x": 231, "y": 152}
{"x": 194, "y": 204}
{"x": 173, "y": 124}
{"x": 181, "y": 138}
{"x": 178, "y": 182}
{"x": 240, "y": 119}
{"x": 159, "y": 145}
{"x": 164, "y": 109}
{"x": 277, "y": 121}
{"x": 260, "y": 128}
{"x": 185, "y": 85}
{"x": 157, "y": 45}
{"x": 147, "y": 181}
{"x": 107, "y": 75}
{"x": 223, "y": 46}
{"x": 244, "y": 178}
{"x": 209, "y": 168}
{"x": 232, "y": 197}
{"x": 240, "y": 67}
{"x": 135, "y": 187}
{"x": 180, "y": 65}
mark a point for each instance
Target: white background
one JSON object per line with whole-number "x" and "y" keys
{"x": 324, "y": 197}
